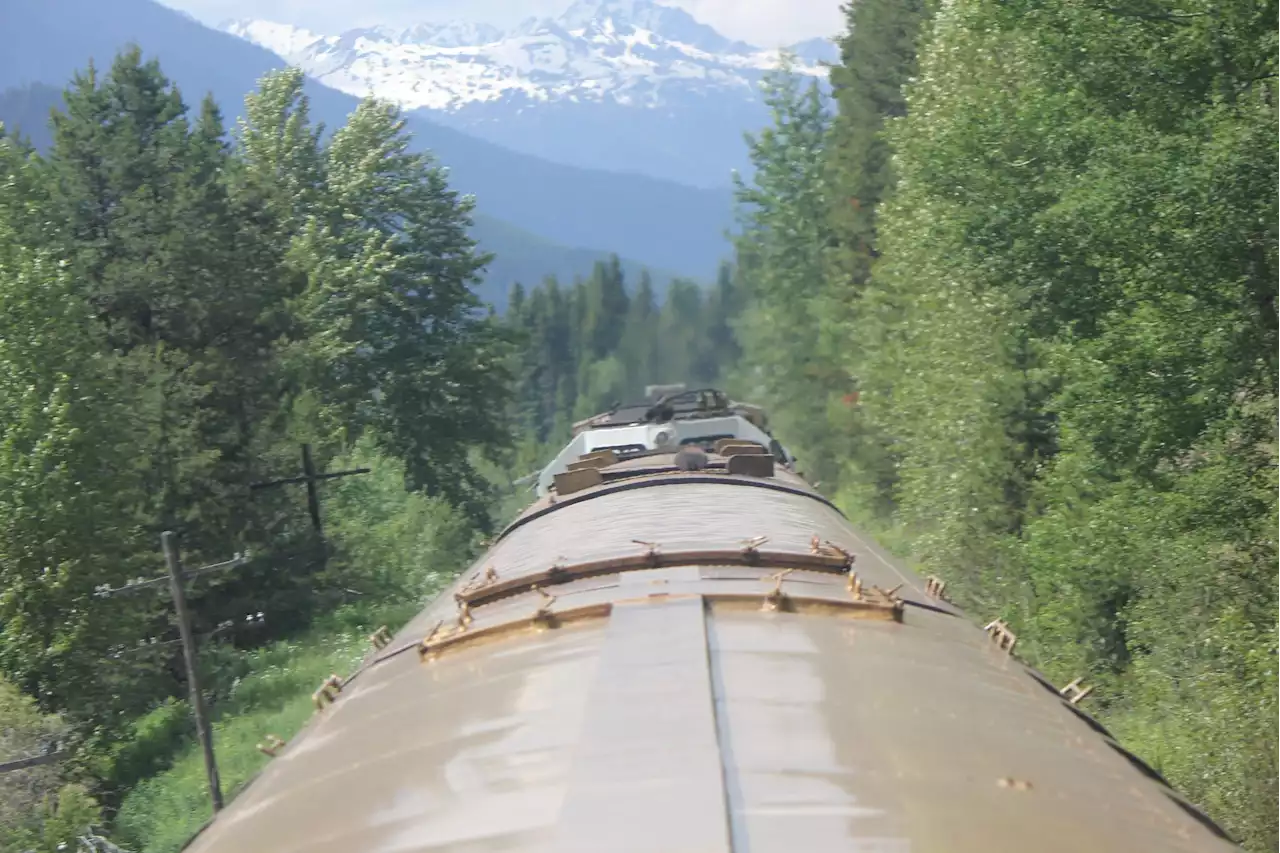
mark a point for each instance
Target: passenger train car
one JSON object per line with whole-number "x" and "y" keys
{"x": 682, "y": 647}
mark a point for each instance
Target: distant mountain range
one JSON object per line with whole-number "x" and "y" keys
{"x": 572, "y": 214}
{"x": 622, "y": 85}
{"x": 520, "y": 255}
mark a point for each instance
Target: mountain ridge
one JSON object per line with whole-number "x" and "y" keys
{"x": 618, "y": 85}
{"x": 661, "y": 224}
{"x": 520, "y": 256}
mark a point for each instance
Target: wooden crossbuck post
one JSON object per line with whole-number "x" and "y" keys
{"x": 311, "y": 479}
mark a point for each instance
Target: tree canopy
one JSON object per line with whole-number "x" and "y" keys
{"x": 180, "y": 308}
{"x": 1044, "y": 239}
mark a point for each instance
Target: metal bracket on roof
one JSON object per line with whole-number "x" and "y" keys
{"x": 874, "y": 595}
{"x": 479, "y": 581}
{"x": 777, "y": 599}
{"x": 999, "y": 632}
{"x": 653, "y": 558}
{"x": 1074, "y": 693}
{"x": 826, "y": 546}
{"x": 272, "y": 746}
{"x": 380, "y": 638}
{"x": 558, "y": 572}
{"x": 751, "y": 547}
{"x": 439, "y": 631}
{"x": 653, "y": 553}
{"x": 464, "y": 612}
{"x": 543, "y": 618}
{"x": 891, "y": 594}
{"x": 328, "y": 692}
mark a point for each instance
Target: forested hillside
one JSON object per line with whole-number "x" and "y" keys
{"x": 1012, "y": 299}
{"x": 517, "y": 254}
{"x": 177, "y": 316}
{"x": 181, "y": 307}
{"x": 656, "y": 222}
{"x": 583, "y": 346}
{"x": 1009, "y": 295}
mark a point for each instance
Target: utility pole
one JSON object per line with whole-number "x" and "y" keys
{"x": 176, "y": 584}
{"x": 177, "y": 587}
{"x": 311, "y": 478}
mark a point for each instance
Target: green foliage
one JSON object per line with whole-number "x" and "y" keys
{"x": 274, "y": 696}
{"x": 65, "y": 484}
{"x": 393, "y": 339}
{"x": 398, "y": 545}
{"x": 40, "y": 812}
{"x": 177, "y": 315}
{"x": 1049, "y": 254}
{"x": 791, "y": 360}
{"x": 586, "y": 347}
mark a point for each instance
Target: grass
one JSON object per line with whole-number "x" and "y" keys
{"x": 405, "y": 545}
{"x": 161, "y": 813}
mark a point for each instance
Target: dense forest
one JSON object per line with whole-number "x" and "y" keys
{"x": 1009, "y": 294}
{"x": 602, "y": 340}
{"x": 181, "y": 308}
{"x": 1011, "y": 297}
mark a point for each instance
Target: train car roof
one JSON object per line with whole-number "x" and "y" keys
{"x": 700, "y": 662}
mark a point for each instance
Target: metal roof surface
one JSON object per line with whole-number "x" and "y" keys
{"x": 668, "y": 723}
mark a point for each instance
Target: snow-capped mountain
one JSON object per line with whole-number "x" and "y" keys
{"x": 626, "y": 85}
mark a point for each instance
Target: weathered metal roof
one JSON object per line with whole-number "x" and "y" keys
{"x": 687, "y": 665}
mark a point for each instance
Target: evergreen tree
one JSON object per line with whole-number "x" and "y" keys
{"x": 188, "y": 285}
{"x": 604, "y": 309}
{"x": 877, "y": 59}
{"x": 396, "y": 340}
{"x": 641, "y": 343}
{"x": 722, "y": 353}
{"x": 70, "y": 486}
{"x": 681, "y": 335}
{"x": 280, "y": 151}
{"x": 793, "y": 358}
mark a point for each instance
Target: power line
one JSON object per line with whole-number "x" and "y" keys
{"x": 106, "y": 590}
{"x": 251, "y": 620}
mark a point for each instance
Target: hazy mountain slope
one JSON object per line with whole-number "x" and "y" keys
{"x": 528, "y": 259}
{"x": 660, "y": 223}
{"x": 625, "y": 85}
{"x": 520, "y": 255}
{"x": 24, "y": 111}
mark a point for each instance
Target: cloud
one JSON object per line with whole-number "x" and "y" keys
{"x": 769, "y": 23}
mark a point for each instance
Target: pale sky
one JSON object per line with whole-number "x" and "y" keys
{"x": 768, "y": 23}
